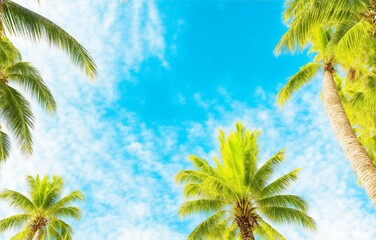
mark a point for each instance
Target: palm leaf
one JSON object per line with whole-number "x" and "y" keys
{"x": 289, "y": 215}
{"x": 15, "y": 109}
{"x": 22, "y": 235}
{"x": 267, "y": 231}
{"x": 17, "y": 200}
{"x": 301, "y": 78}
{"x": 283, "y": 201}
{"x": 281, "y": 184}
{"x": 67, "y": 212}
{"x": 5, "y": 146}
{"x": 207, "y": 227}
{"x": 267, "y": 169}
{"x": 29, "y": 78}
{"x": 201, "y": 206}
{"x": 14, "y": 221}
{"x": 21, "y": 21}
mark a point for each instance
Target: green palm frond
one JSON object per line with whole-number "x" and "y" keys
{"x": 67, "y": 212}
{"x": 62, "y": 226}
{"x": 201, "y": 206}
{"x": 52, "y": 193}
{"x": 290, "y": 215}
{"x": 187, "y": 176}
{"x": 30, "y": 80}
{"x": 68, "y": 199}
{"x": 207, "y": 227}
{"x": 202, "y": 165}
{"x": 13, "y": 221}
{"x": 297, "y": 37}
{"x": 267, "y": 169}
{"x": 208, "y": 183}
{"x": 9, "y": 54}
{"x": 305, "y": 16}
{"x": 280, "y": 184}
{"x": 36, "y": 189}
{"x": 5, "y": 146}
{"x": 193, "y": 190}
{"x": 294, "y": 8}
{"x": 217, "y": 187}
{"x": 21, "y": 21}
{"x": 17, "y": 200}
{"x": 232, "y": 232}
{"x": 352, "y": 41}
{"x": 322, "y": 44}
{"x": 301, "y": 78}
{"x": 267, "y": 231}
{"x": 283, "y": 201}
{"x": 250, "y": 155}
{"x": 54, "y": 233}
{"x": 22, "y": 235}
{"x": 15, "y": 109}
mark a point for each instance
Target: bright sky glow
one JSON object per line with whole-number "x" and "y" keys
{"x": 170, "y": 74}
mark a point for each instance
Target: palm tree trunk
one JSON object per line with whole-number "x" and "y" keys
{"x": 353, "y": 149}
{"x": 245, "y": 228}
{"x": 33, "y": 234}
{"x": 36, "y": 235}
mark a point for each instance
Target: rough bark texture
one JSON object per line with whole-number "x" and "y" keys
{"x": 354, "y": 151}
{"x": 36, "y": 236}
{"x": 33, "y": 235}
{"x": 245, "y": 227}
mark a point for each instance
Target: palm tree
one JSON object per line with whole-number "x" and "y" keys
{"x": 238, "y": 194}
{"x": 41, "y": 214}
{"x": 346, "y": 47}
{"x": 19, "y": 21}
{"x": 15, "y": 110}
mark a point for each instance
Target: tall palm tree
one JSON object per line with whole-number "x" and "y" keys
{"x": 239, "y": 194}
{"x": 20, "y": 21}
{"x": 353, "y": 31}
{"x": 41, "y": 214}
{"x": 15, "y": 110}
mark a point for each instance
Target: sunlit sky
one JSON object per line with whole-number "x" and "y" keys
{"x": 171, "y": 72}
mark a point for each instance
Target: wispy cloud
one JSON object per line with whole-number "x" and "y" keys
{"x": 126, "y": 167}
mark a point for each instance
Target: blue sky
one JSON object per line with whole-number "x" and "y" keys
{"x": 210, "y": 45}
{"x": 170, "y": 74}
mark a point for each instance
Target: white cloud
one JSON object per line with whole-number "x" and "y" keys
{"x": 126, "y": 167}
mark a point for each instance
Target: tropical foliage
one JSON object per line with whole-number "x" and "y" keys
{"x": 20, "y": 21}
{"x": 41, "y": 214}
{"x": 348, "y": 45}
{"x": 239, "y": 194}
{"x": 15, "y": 110}
{"x": 358, "y": 98}
{"x": 320, "y": 46}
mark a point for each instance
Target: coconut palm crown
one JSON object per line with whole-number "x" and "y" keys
{"x": 238, "y": 194}
{"x": 42, "y": 213}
